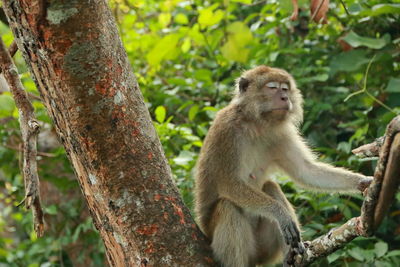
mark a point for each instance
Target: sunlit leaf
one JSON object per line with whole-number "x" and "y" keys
{"x": 208, "y": 17}
{"x": 160, "y": 112}
{"x": 167, "y": 45}
{"x": 181, "y": 19}
{"x": 193, "y": 112}
{"x": 164, "y": 19}
{"x": 186, "y": 45}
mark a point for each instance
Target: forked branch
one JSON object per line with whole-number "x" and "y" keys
{"x": 378, "y": 198}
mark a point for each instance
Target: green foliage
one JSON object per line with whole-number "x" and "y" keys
{"x": 186, "y": 55}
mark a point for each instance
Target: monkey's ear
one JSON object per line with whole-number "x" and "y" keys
{"x": 243, "y": 84}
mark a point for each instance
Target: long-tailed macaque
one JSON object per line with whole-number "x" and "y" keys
{"x": 245, "y": 214}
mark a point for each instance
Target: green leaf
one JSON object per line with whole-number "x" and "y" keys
{"x": 393, "y": 85}
{"x": 208, "y": 17}
{"x": 186, "y": 45}
{"x": 166, "y": 47}
{"x": 247, "y": 2}
{"x": 164, "y": 19}
{"x": 381, "y": 9}
{"x": 393, "y": 253}
{"x": 349, "y": 61}
{"x": 184, "y": 158}
{"x": 239, "y": 36}
{"x": 356, "y": 40}
{"x": 334, "y": 256}
{"x": 193, "y": 112}
{"x": 7, "y": 103}
{"x": 203, "y": 75}
{"x": 356, "y": 253}
{"x": 51, "y": 210}
{"x": 181, "y": 18}
{"x": 380, "y": 249}
{"x": 160, "y": 112}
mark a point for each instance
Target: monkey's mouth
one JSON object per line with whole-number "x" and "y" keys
{"x": 277, "y": 109}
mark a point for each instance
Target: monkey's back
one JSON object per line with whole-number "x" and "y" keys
{"x": 213, "y": 166}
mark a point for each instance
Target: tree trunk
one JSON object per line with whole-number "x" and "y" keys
{"x": 83, "y": 75}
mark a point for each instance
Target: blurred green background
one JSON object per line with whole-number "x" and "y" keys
{"x": 186, "y": 55}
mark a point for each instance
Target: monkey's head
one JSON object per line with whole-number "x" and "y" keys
{"x": 269, "y": 94}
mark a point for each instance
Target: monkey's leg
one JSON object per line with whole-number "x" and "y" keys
{"x": 233, "y": 241}
{"x": 270, "y": 243}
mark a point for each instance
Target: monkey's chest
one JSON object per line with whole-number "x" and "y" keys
{"x": 256, "y": 167}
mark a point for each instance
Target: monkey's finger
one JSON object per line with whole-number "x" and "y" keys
{"x": 301, "y": 248}
{"x": 287, "y": 235}
{"x": 295, "y": 234}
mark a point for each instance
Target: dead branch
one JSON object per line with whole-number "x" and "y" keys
{"x": 378, "y": 199}
{"x": 29, "y": 130}
{"x": 369, "y": 150}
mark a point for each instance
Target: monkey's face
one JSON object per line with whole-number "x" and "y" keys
{"x": 270, "y": 94}
{"x": 275, "y": 99}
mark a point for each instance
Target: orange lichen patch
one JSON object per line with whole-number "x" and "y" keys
{"x": 208, "y": 259}
{"x": 148, "y": 229}
{"x": 135, "y": 132}
{"x": 194, "y": 236}
{"x": 166, "y": 216}
{"x": 150, "y": 155}
{"x": 118, "y": 112}
{"x": 87, "y": 142}
{"x": 111, "y": 91}
{"x": 104, "y": 87}
{"x": 150, "y": 248}
{"x": 101, "y": 89}
{"x": 169, "y": 198}
{"x": 157, "y": 197}
{"x": 179, "y": 212}
{"x": 62, "y": 45}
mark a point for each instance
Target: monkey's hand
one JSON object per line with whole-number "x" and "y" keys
{"x": 364, "y": 183}
{"x": 291, "y": 234}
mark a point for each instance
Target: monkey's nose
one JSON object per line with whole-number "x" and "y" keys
{"x": 284, "y": 98}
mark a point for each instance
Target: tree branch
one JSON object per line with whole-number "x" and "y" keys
{"x": 378, "y": 198}
{"x": 29, "y": 130}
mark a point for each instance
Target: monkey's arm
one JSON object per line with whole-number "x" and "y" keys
{"x": 299, "y": 162}
{"x": 255, "y": 201}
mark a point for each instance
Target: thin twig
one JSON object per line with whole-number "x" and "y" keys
{"x": 29, "y": 130}
{"x": 345, "y": 8}
{"x": 39, "y": 153}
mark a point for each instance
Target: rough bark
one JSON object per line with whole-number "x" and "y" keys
{"x": 86, "y": 83}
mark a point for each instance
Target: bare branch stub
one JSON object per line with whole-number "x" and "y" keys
{"x": 29, "y": 130}
{"x": 369, "y": 150}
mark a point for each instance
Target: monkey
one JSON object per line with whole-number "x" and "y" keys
{"x": 244, "y": 213}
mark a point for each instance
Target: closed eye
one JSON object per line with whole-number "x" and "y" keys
{"x": 273, "y": 84}
{"x": 285, "y": 86}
